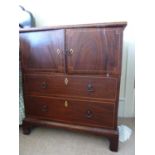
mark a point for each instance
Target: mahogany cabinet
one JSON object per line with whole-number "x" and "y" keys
{"x": 71, "y": 77}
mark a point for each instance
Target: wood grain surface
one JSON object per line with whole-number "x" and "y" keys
{"x": 95, "y": 50}
{"x": 77, "y": 111}
{"x": 39, "y": 50}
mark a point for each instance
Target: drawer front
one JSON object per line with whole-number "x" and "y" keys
{"x": 104, "y": 88}
{"x": 92, "y": 87}
{"x": 71, "y": 111}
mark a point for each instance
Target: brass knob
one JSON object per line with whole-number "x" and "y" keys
{"x": 71, "y": 51}
{"x": 66, "y": 104}
{"x": 58, "y": 51}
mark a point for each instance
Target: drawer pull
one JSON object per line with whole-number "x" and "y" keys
{"x": 66, "y": 104}
{"x": 89, "y": 114}
{"x": 107, "y": 75}
{"x": 44, "y": 108}
{"x": 90, "y": 88}
{"x": 44, "y": 85}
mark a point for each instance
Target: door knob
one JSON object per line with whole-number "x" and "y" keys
{"x": 58, "y": 51}
{"x": 70, "y": 52}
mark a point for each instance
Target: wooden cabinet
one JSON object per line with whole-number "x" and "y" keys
{"x": 71, "y": 77}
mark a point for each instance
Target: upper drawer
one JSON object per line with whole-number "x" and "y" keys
{"x": 104, "y": 88}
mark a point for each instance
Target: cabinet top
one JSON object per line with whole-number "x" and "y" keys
{"x": 94, "y": 25}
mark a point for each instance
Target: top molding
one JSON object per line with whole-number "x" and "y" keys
{"x": 94, "y": 25}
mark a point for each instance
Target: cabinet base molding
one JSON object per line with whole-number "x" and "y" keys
{"x": 112, "y": 135}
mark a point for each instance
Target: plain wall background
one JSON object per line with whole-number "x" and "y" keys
{"x": 59, "y": 12}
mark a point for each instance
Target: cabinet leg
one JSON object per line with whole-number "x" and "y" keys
{"x": 114, "y": 143}
{"x": 26, "y": 128}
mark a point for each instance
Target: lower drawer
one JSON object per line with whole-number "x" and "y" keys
{"x": 96, "y": 114}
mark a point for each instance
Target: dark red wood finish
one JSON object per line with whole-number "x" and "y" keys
{"x": 43, "y": 51}
{"x": 79, "y": 112}
{"x": 88, "y": 87}
{"x": 112, "y": 135}
{"x": 121, "y": 25}
{"x": 94, "y": 50}
{"x": 71, "y": 77}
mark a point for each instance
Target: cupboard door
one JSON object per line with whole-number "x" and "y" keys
{"x": 42, "y": 50}
{"x": 93, "y": 50}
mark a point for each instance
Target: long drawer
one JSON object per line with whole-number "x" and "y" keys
{"x": 104, "y": 88}
{"x": 81, "y": 112}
